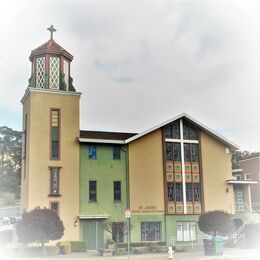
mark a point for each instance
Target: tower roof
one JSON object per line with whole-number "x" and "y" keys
{"x": 50, "y": 47}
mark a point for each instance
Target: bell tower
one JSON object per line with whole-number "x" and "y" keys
{"x": 50, "y": 157}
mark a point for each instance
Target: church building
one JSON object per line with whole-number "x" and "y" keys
{"x": 167, "y": 175}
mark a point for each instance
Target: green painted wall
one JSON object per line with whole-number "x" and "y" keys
{"x": 105, "y": 171}
{"x": 136, "y": 221}
{"x": 168, "y": 227}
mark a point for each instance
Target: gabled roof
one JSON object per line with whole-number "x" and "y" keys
{"x": 194, "y": 122}
{"x": 50, "y": 47}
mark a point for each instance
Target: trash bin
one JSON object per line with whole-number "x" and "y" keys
{"x": 218, "y": 245}
{"x": 209, "y": 247}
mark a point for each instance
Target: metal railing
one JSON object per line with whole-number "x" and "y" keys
{"x": 256, "y": 206}
{"x": 252, "y": 217}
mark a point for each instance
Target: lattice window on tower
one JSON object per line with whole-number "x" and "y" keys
{"x": 66, "y": 73}
{"x": 40, "y": 72}
{"x": 54, "y": 72}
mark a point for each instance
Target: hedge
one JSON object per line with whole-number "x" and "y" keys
{"x": 21, "y": 250}
{"x": 64, "y": 247}
{"x": 78, "y": 246}
{"x": 38, "y": 251}
{"x": 141, "y": 244}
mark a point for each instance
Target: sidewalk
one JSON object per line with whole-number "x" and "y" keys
{"x": 229, "y": 253}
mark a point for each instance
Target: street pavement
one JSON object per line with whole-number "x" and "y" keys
{"x": 229, "y": 254}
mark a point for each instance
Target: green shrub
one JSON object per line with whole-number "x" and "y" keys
{"x": 78, "y": 246}
{"x": 37, "y": 251}
{"x": 141, "y": 244}
{"x": 64, "y": 247}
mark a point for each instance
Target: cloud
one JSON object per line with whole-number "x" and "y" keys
{"x": 199, "y": 57}
{"x": 124, "y": 80}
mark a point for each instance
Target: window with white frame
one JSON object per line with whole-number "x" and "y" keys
{"x": 186, "y": 230}
{"x": 54, "y": 72}
{"x": 40, "y": 72}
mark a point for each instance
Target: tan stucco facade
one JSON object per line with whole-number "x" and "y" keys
{"x": 36, "y": 182}
{"x": 216, "y": 169}
{"x": 146, "y": 174}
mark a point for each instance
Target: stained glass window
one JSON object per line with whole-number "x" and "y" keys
{"x": 168, "y": 131}
{"x": 150, "y": 231}
{"x": 186, "y": 131}
{"x": 188, "y": 191}
{"x": 40, "y": 72}
{"x": 54, "y": 183}
{"x": 176, "y": 130}
{"x": 193, "y": 133}
{"x": 177, "y": 152}
{"x": 178, "y": 192}
{"x": 169, "y": 151}
{"x": 54, "y": 72}
{"x": 170, "y": 187}
{"x": 187, "y": 152}
{"x": 196, "y": 191}
{"x": 55, "y": 124}
{"x": 195, "y": 152}
{"x": 92, "y": 152}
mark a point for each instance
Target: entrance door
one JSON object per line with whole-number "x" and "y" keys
{"x": 92, "y": 233}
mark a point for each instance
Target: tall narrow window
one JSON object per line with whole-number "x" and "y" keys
{"x": 169, "y": 151}
{"x": 55, "y": 125}
{"x": 54, "y": 72}
{"x": 40, "y": 72}
{"x": 92, "y": 152}
{"x": 24, "y": 146}
{"x": 187, "y": 152}
{"x": 117, "y": 190}
{"x": 177, "y": 152}
{"x": 179, "y": 192}
{"x": 116, "y": 152}
{"x": 118, "y": 231}
{"x": 54, "y": 181}
{"x": 170, "y": 191}
{"x": 92, "y": 191}
{"x": 66, "y": 73}
{"x": 55, "y": 207}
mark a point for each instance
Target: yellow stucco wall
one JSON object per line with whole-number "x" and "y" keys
{"x": 38, "y": 107}
{"x": 146, "y": 174}
{"x": 216, "y": 167}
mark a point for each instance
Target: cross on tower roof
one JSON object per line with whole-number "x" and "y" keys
{"x": 52, "y": 30}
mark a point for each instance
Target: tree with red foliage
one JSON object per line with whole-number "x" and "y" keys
{"x": 216, "y": 222}
{"x": 40, "y": 226}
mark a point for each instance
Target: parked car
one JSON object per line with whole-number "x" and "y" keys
{"x": 5, "y": 221}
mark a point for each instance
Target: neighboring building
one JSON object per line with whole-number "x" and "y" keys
{"x": 248, "y": 187}
{"x": 167, "y": 175}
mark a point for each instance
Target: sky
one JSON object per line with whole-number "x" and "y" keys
{"x": 140, "y": 63}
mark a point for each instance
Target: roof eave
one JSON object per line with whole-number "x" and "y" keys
{"x": 194, "y": 121}
{"x": 104, "y": 141}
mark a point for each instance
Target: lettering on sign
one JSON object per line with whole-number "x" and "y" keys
{"x": 147, "y": 209}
